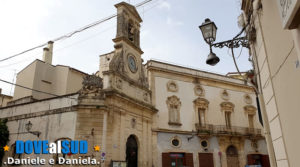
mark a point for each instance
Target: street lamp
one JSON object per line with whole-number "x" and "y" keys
{"x": 28, "y": 127}
{"x": 209, "y": 31}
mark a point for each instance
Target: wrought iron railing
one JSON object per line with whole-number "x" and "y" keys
{"x": 223, "y": 129}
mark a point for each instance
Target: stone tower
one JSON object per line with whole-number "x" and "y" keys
{"x": 128, "y": 110}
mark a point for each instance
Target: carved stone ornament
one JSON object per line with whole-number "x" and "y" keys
{"x": 225, "y": 95}
{"x": 227, "y": 106}
{"x": 119, "y": 83}
{"x": 248, "y": 99}
{"x": 143, "y": 80}
{"x": 254, "y": 145}
{"x": 174, "y": 105}
{"x": 146, "y": 97}
{"x": 133, "y": 123}
{"x": 201, "y": 103}
{"x": 172, "y": 86}
{"x": 249, "y": 109}
{"x": 198, "y": 90}
{"x": 117, "y": 62}
{"x": 92, "y": 86}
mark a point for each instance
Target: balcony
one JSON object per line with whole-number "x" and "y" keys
{"x": 208, "y": 129}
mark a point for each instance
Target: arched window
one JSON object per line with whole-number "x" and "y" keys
{"x": 131, "y": 30}
{"x": 174, "y": 105}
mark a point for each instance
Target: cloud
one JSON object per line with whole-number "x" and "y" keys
{"x": 164, "y": 5}
{"x": 173, "y": 22}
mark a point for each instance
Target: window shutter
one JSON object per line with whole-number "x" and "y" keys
{"x": 189, "y": 160}
{"x": 166, "y": 161}
{"x": 265, "y": 161}
{"x": 206, "y": 160}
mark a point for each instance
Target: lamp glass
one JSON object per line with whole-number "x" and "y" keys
{"x": 28, "y": 126}
{"x": 209, "y": 31}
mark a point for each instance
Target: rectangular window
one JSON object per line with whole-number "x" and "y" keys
{"x": 250, "y": 119}
{"x": 228, "y": 119}
{"x": 201, "y": 116}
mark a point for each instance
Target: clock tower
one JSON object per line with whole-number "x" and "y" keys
{"x": 123, "y": 68}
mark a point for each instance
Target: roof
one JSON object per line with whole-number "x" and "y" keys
{"x": 130, "y": 8}
{"x": 37, "y": 60}
{"x": 154, "y": 64}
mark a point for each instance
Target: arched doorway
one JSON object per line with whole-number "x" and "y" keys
{"x": 232, "y": 157}
{"x": 131, "y": 151}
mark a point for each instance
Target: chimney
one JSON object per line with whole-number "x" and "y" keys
{"x": 48, "y": 51}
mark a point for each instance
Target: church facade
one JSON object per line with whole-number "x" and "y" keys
{"x": 153, "y": 114}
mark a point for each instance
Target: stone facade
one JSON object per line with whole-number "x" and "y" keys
{"x": 219, "y": 110}
{"x": 275, "y": 53}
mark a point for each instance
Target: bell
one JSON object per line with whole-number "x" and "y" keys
{"x": 212, "y": 59}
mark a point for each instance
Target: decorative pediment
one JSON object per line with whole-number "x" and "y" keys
{"x": 249, "y": 109}
{"x": 227, "y": 106}
{"x": 130, "y": 8}
{"x": 173, "y": 101}
{"x": 201, "y": 103}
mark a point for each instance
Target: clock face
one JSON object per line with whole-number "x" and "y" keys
{"x": 132, "y": 63}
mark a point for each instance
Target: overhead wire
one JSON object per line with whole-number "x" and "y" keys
{"x": 72, "y": 33}
{"x": 33, "y": 89}
{"x": 60, "y": 38}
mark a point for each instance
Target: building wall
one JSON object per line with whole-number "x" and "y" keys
{"x": 58, "y": 80}
{"x": 276, "y": 51}
{"x": 4, "y": 99}
{"x": 54, "y": 118}
{"x": 160, "y": 74}
{"x": 188, "y": 114}
{"x": 25, "y": 78}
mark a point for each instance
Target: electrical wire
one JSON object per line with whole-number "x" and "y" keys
{"x": 72, "y": 33}
{"x": 33, "y": 89}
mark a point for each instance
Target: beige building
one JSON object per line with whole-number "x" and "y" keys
{"x": 156, "y": 114}
{"x": 4, "y": 99}
{"x": 39, "y": 75}
{"x": 204, "y": 119}
{"x": 275, "y": 41}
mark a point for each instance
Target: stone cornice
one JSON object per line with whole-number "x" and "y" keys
{"x": 113, "y": 92}
{"x": 42, "y": 113}
{"x": 235, "y": 82}
{"x": 128, "y": 42}
{"x": 129, "y": 80}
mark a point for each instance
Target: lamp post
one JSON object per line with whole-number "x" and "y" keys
{"x": 209, "y": 32}
{"x": 28, "y": 127}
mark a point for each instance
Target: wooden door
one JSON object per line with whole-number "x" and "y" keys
{"x": 232, "y": 157}
{"x": 206, "y": 160}
{"x": 265, "y": 161}
{"x": 189, "y": 159}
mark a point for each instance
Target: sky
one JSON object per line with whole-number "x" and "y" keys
{"x": 169, "y": 33}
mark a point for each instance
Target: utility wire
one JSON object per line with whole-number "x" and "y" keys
{"x": 72, "y": 33}
{"x": 33, "y": 89}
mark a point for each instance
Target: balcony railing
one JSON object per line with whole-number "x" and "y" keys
{"x": 223, "y": 129}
